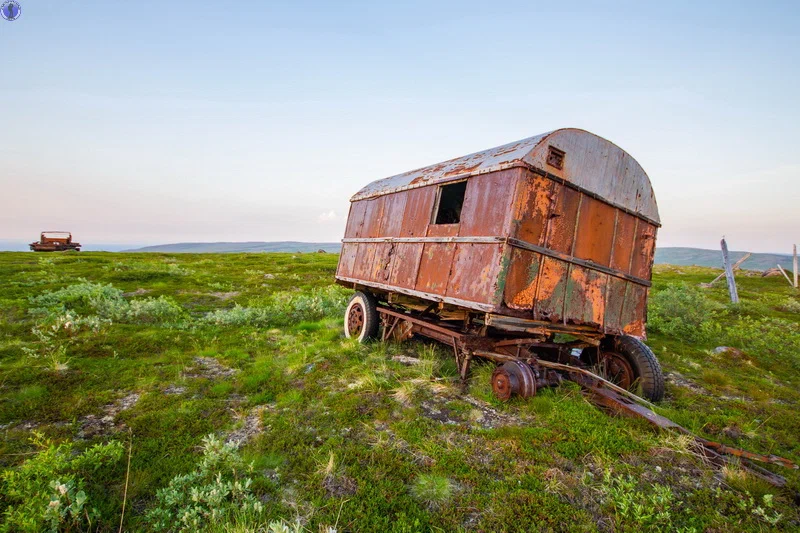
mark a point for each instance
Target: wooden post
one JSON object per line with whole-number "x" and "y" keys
{"x": 794, "y": 250}
{"x": 735, "y": 267}
{"x": 785, "y": 275}
{"x": 726, "y": 262}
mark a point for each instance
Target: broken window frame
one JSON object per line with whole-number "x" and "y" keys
{"x": 438, "y": 204}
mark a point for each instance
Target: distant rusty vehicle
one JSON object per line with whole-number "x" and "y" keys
{"x": 55, "y": 241}
{"x": 533, "y": 252}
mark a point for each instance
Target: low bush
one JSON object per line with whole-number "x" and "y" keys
{"x": 432, "y": 490}
{"x": 681, "y": 311}
{"x": 49, "y": 491}
{"x": 210, "y": 494}
{"x": 87, "y": 301}
{"x": 771, "y": 341}
{"x": 285, "y": 309}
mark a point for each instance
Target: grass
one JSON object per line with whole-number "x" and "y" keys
{"x": 163, "y": 351}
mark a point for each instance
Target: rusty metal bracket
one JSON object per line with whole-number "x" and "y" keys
{"x": 607, "y": 395}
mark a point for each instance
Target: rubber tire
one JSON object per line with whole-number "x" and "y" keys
{"x": 644, "y": 362}
{"x": 370, "y": 305}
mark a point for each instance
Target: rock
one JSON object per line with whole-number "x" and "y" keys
{"x": 729, "y": 351}
{"x": 406, "y": 360}
{"x": 251, "y": 427}
{"x": 211, "y": 368}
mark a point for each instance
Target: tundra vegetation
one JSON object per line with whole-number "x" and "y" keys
{"x": 217, "y": 393}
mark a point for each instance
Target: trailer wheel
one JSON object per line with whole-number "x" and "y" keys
{"x": 361, "y": 317}
{"x": 626, "y": 361}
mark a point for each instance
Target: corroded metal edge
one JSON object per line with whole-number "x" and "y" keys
{"x": 426, "y": 295}
{"x": 503, "y": 240}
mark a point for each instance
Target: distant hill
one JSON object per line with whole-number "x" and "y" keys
{"x": 238, "y": 247}
{"x": 713, "y": 258}
{"x": 671, "y": 256}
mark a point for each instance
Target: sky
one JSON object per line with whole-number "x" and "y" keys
{"x": 159, "y": 122}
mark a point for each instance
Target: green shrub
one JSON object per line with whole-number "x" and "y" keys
{"x": 103, "y": 303}
{"x": 48, "y": 492}
{"x": 285, "y": 309}
{"x": 161, "y": 310}
{"x": 84, "y": 298}
{"x": 790, "y": 305}
{"x": 432, "y": 490}
{"x": 681, "y": 311}
{"x": 211, "y": 493}
{"x": 771, "y": 341}
{"x": 146, "y": 271}
{"x": 640, "y": 510}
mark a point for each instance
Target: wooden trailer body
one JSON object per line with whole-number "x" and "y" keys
{"x": 559, "y": 228}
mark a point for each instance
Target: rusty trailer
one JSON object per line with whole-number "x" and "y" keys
{"x": 535, "y": 255}
{"x": 55, "y": 241}
{"x": 508, "y": 250}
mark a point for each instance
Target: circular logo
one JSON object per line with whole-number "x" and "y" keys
{"x": 11, "y": 10}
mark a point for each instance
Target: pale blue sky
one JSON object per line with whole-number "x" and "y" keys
{"x": 148, "y": 122}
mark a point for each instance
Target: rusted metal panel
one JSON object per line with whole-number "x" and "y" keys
{"x": 364, "y": 257}
{"x": 405, "y": 264}
{"x": 584, "y": 302}
{"x": 393, "y": 208}
{"x": 382, "y": 261}
{"x": 417, "y": 212}
{"x": 615, "y": 299}
{"x": 486, "y": 203}
{"x": 355, "y": 220}
{"x": 588, "y": 162}
{"x": 434, "y": 267}
{"x": 623, "y": 242}
{"x": 643, "y": 250}
{"x": 522, "y": 279}
{"x": 563, "y": 216}
{"x": 549, "y": 303}
{"x": 475, "y": 272}
{"x": 372, "y": 217}
{"x": 595, "y": 233}
{"x": 534, "y": 198}
{"x": 443, "y": 230}
{"x": 347, "y": 260}
{"x": 634, "y": 310}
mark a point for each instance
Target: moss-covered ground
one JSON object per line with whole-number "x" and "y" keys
{"x": 249, "y": 347}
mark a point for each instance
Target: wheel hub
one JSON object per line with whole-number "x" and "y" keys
{"x": 618, "y": 369}
{"x": 355, "y": 319}
{"x": 513, "y": 378}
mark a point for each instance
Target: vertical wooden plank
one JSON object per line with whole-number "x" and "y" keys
{"x": 794, "y": 263}
{"x": 726, "y": 261}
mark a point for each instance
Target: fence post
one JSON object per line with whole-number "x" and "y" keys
{"x": 726, "y": 262}
{"x": 794, "y": 253}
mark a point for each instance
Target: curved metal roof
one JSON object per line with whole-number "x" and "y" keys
{"x": 591, "y": 163}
